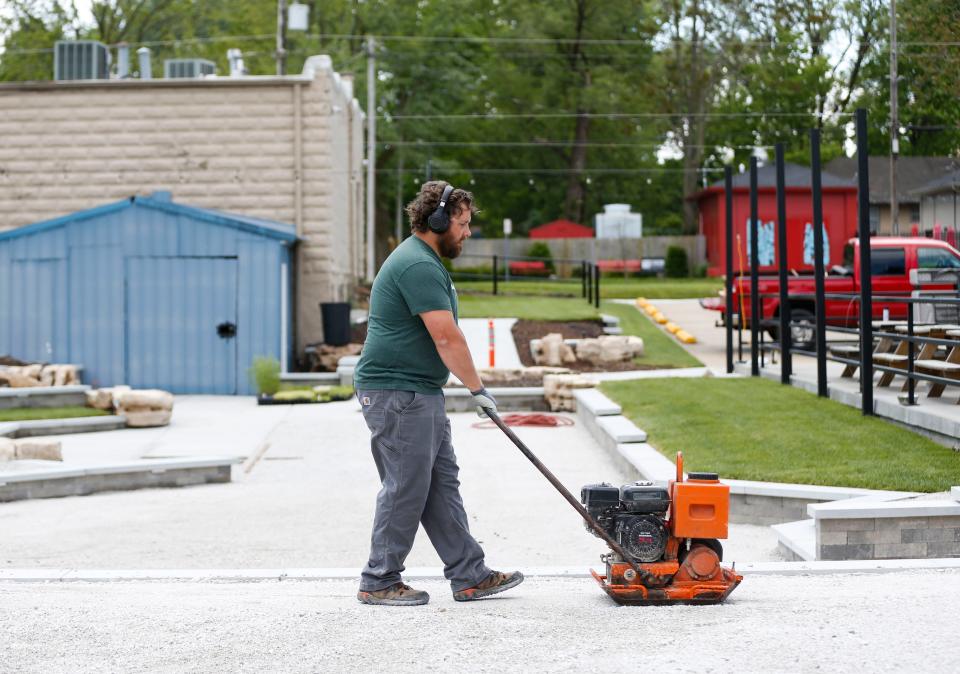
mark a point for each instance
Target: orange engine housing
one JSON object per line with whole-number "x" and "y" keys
{"x": 700, "y": 508}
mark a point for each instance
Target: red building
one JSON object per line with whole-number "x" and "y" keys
{"x": 839, "y": 219}
{"x": 561, "y": 229}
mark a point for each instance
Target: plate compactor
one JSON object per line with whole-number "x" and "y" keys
{"x": 664, "y": 542}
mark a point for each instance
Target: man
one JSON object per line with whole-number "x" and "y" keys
{"x": 413, "y": 343}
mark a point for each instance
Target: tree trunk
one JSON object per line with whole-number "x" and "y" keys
{"x": 573, "y": 205}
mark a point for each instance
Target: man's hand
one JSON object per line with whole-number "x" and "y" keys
{"x": 485, "y": 402}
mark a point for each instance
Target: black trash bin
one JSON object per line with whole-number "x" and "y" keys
{"x": 336, "y": 323}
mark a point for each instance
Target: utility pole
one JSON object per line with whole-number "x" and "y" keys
{"x": 894, "y": 122}
{"x": 281, "y": 54}
{"x": 371, "y": 154}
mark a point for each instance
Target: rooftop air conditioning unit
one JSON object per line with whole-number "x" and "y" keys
{"x": 178, "y": 68}
{"x": 80, "y": 60}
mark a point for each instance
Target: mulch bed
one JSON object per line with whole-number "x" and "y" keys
{"x": 524, "y": 331}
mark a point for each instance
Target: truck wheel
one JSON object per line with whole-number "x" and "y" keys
{"x": 802, "y": 330}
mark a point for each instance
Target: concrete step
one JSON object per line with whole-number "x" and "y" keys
{"x": 621, "y": 430}
{"x": 595, "y": 402}
{"x": 36, "y": 479}
{"x": 798, "y": 540}
{"x": 44, "y": 396}
{"x": 37, "y": 427}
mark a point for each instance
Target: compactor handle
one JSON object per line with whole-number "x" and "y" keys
{"x": 679, "y": 466}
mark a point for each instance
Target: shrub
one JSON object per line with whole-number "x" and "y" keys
{"x": 265, "y": 374}
{"x": 541, "y": 251}
{"x": 676, "y": 264}
{"x": 700, "y": 271}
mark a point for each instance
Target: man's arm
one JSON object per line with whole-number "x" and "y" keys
{"x": 452, "y": 347}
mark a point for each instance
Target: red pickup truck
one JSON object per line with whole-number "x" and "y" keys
{"x": 892, "y": 259}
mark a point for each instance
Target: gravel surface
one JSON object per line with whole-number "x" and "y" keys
{"x": 868, "y": 623}
{"x": 308, "y": 503}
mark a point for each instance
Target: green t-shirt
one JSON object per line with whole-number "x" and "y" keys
{"x": 399, "y": 352}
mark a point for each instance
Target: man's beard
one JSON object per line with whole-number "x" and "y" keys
{"x": 449, "y": 247}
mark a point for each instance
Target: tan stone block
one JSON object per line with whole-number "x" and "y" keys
{"x": 39, "y": 449}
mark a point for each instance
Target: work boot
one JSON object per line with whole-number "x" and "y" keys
{"x": 496, "y": 582}
{"x": 398, "y": 594}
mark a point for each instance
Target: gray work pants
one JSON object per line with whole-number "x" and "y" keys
{"x": 410, "y": 440}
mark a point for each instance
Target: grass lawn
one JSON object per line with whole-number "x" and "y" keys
{"x": 610, "y": 288}
{"x": 540, "y": 309}
{"x": 754, "y": 429}
{"x": 34, "y": 413}
{"x": 660, "y": 349}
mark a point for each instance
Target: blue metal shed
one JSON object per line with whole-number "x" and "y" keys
{"x": 150, "y": 293}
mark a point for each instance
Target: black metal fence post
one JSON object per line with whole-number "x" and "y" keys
{"x": 588, "y": 271}
{"x": 583, "y": 278}
{"x": 728, "y": 282}
{"x": 866, "y": 272}
{"x": 911, "y": 384}
{"x": 494, "y": 274}
{"x": 820, "y": 308}
{"x": 786, "y": 361}
{"x": 596, "y": 286}
{"x": 754, "y": 275}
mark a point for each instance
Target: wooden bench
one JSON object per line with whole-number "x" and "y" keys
{"x": 900, "y": 355}
{"x": 948, "y": 369}
{"x": 849, "y": 352}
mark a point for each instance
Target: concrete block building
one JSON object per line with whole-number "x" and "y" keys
{"x": 286, "y": 149}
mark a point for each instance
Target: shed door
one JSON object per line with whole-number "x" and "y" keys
{"x": 181, "y": 324}
{"x": 38, "y": 307}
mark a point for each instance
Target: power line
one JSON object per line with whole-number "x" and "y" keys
{"x": 586, "y": 171}
{"x": 552, "y": 144}
{"x": 603, "y": 115}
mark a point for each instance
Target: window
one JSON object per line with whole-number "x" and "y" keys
{"x": 937, "y": 258}
{"x": 888, "y": 262}
{"x": 914, "y": 213}
{"x": 874, "y": 219}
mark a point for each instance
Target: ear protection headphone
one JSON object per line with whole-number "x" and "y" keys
{"x": 439, "y": 220}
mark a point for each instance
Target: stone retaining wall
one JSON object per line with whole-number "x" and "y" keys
{"x": 888, "y": 537}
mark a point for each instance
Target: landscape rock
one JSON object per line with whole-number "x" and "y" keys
{"x": 145, "y": 408}
{"x": 40, "y": 449}
{"x": 33, "y": 371}
{"x": 100, "y": 399}
{"x": 552, "y": 350}
{"x": 558, "y": 390}
{"x": 14, "y": 378}
{"x": 146, "y": 418}
{"x": 609, "y": 349}
{"x": 8, "y": 450}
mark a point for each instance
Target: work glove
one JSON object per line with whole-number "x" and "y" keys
{"x": 484, "y": 402}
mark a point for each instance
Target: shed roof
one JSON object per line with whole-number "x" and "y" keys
{"x": 794, "y": 175}
{"x": 913, "y": 173}
{"x": 561, "y": 229}
{"x": 161, "y": 201}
